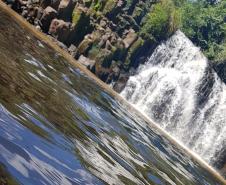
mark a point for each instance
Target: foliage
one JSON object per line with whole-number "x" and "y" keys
{"x": 161, "y": 22}
{"x": 204, "y": 22}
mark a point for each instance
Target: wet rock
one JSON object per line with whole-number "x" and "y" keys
{"x": 114, "y": 73}
{"x": 103, "y": 40}
{"x": 86, "y": 62}
{"x": 80, "y": 25}
{"x": 103, "y": 59}
{"x": 133, "y": 52}
{"x": 38, "y": 16}
{"x": 79, "y": 13}
{"x": 16, "y": 5}
{"x": 121, "y": 82}
{"x": 130, "y": 5}
{"x": 85, "y": 45}
{"x": 24, "y": 13}
{"x": 65, "y": 9}
{"x": 103, "y": 23}
{"x": 32, "y": 2}
{"x": 48, "y": 15}
{"x": 72, "y": 50}
{"x": 112, "y": 8}
{"x": 126, "y": 22}
{"x": 45, "y": 3}
{"x": 138, "y": 14}
{"x": 220, "y": 68}
{"x": 32, "y": 13}
{"x": 102, "y": 73}
{"x": 61, "y": 45}
{"x": 87, "y": 3}
{"x": 59, "y": 29}
{"x": 130, "y": 38}
{"x": 109, "y": 6}
{"x": 57, "y": 42}
{"x": 53, "y": 3}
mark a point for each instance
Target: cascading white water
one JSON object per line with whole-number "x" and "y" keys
{"x": 178, "y": 90}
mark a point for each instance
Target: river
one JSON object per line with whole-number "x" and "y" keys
{"x": 58, "y": 126}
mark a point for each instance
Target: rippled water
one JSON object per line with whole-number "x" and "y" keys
{"x": 58, "y": 127}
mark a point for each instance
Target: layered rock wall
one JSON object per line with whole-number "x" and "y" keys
{"x": 101, "y": 34}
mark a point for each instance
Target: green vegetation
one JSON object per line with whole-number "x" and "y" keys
{"x": 97, "y": 5}
{"x": 161, "y": 22}
{"x": 204, "y": 22}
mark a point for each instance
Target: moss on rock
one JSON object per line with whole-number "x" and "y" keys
{"x": 131, "y": 55}
{"x": 109, "y": 6}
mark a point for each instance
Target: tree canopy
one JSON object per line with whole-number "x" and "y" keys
{"x": 204, "y": 22}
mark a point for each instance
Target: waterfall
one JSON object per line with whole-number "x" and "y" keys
{"x": 178, "y": 90}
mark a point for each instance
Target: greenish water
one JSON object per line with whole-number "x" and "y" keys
{"x": 58, "y": 127}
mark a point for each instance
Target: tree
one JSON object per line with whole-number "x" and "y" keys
{"x": 205, "y": 25}
{"x": 161, "y": 22}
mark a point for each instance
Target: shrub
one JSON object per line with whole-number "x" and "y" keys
{"x": 161, "y": 22}
{"x": 204, "y": 22}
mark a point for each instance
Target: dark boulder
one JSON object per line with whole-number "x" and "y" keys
{"x": 45, "y": 3}
{"x": 80, "y": 25}
{"x": 114, "y": 73}
{"x": 65, "y": 10}
{"x": 121, "y": 82}
{"x": 48, "y": 15}
{"x": 53, "y": 3}
{"x": 130, "y": 38}
{"x": 220, "y": 68}
{"x": 85, "y": 45}
{"x": 60, "y": 30}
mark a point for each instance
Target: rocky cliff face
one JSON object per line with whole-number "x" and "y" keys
{"x": 220, "y": 68}
{"x": 101, "y": 34}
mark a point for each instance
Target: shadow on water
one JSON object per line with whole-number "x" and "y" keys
{"x": 58, "y": 127}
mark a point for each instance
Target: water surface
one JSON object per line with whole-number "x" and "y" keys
{"x": 57, "y": 126}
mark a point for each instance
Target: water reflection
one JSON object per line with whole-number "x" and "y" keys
{"x": 58, "y": 127}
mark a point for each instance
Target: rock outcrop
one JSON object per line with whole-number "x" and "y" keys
{"x": 103, "y": 35}
{"x": 59, "y": 30}
{"x": 220, "y": 68}
{"x": 48, "y": 15}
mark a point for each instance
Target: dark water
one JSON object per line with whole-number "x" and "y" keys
{"x": 58, "y": 127}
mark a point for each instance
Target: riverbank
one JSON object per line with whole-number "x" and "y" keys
{"x": 71, "y": 60}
